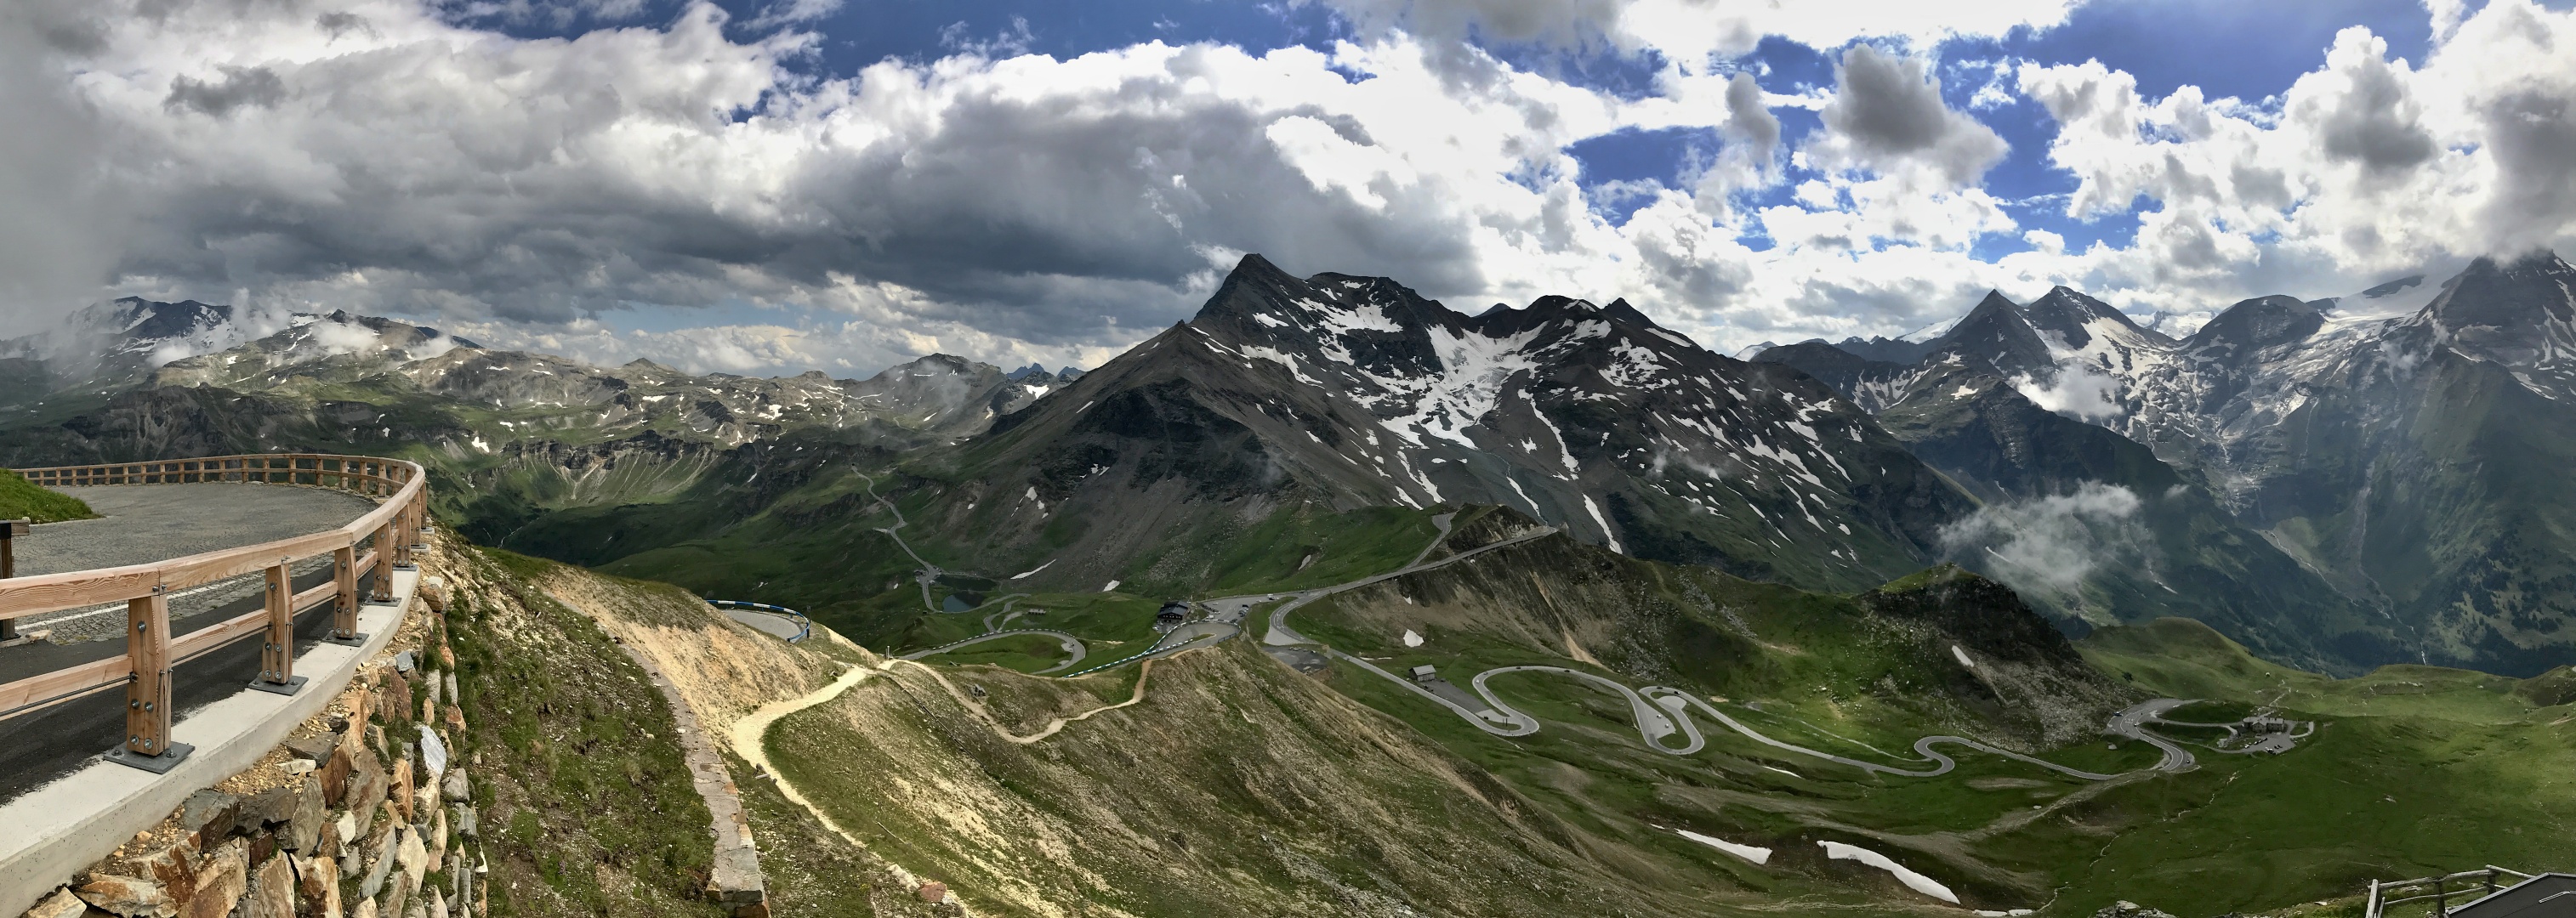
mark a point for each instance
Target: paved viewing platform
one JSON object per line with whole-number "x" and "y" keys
{"x": 140, "y": 524}
{"x": 156, "y": 666}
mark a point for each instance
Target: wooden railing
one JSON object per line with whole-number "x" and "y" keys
{"x": 376, "y": 544}
{"x": 2466, "y": 886}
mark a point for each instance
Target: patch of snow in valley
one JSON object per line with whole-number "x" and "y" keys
{"x": 1033, "y": 571}
{"x": 1963, "y": 657}
{"x": 1603, "y": 523}
{"x": 1412, "y": 639}
{"x": 1747, "y": 852}
{"x": 1112, "y": 586}
{"x": 1474, "y": 369}
{"x": 1525, "y": 498}
{"x": 1919, "y": 883}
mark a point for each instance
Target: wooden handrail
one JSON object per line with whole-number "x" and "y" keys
{"x": 24, "y": 596}
{"x": 151, "y": 651}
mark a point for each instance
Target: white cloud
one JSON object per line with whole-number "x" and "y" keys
{"x": 2047, "y": 546}
{"x": 375, "y": 156}
{"x": 2365, "y": 167}
{"x": 1693, "y": 31}
{"x": 2074, "y": 388}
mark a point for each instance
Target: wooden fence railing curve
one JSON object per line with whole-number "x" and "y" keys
{"x": 151, "y": 650}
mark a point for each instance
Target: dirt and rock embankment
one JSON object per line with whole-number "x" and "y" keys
{"x": 509, "y": 753}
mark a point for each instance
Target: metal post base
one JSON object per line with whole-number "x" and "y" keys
{"x": 292, "y": 685}
{"x": 380, "y": 599}
{"x": 355, "y": 640}
{"x": 157, "y": 764}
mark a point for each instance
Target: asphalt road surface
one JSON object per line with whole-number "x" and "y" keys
{"x": 780, "y": 625}
{"x": 1072, "y": 646}
{"x": 2132, "y": 723}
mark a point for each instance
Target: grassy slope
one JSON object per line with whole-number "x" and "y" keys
{"x": 2418, "y": 769}
{"x": 587, "y": 805}
{"x": 727, "y": 670}
{"x": 1238, "y": 788}
{"x": 20, "y": 499}
{"x": 819, "y": 550}
{"x": 2415, "y": 770}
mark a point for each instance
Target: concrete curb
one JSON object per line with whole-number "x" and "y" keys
{"x": 62, "y": 828}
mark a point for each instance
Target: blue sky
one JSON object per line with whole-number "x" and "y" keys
{"x": 775, "y": 185}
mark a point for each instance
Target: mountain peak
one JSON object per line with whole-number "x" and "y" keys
{"x": 2519, "y": 313}
{"x": 2254, "y": 324}
{"x": 1995, "y": 301}
{"x": 1620, "y": 310}
{"x": 2526, "y": 293}
{"x": 1998, "y": 333}
{"x": 2075, "y": 318}
{"x": 1253, "y": 265}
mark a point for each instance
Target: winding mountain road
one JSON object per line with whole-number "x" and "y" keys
{"x": 930, "y": 573}
{"x": 1280, "y": 635}
{"x": 1072, "y": 646}
{"x": 2132, "y": 723}
{"x": 1661, "y": 711}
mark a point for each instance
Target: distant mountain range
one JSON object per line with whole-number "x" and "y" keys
{"x": 1348, "y": 391}
{"x": 2337, "y": 483}
{"x": 2407, "y": 444}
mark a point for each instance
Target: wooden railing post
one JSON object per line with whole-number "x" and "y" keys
{"x": 344, "y": 604}
{"x": 380, "y": 582}
{"x": 147, "y": 692}
{"x": 415, "y": 531}
{"x": 277, "y": 654}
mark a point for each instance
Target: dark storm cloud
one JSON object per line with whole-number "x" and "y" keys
{"x": 1887, "y": 116}
{"x": 1746, "y": 116}
{"x": 2374, "y": 123}
{"x": 240, "y": 86}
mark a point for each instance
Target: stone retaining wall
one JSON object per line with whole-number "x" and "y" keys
{"x": 359, "y": 814}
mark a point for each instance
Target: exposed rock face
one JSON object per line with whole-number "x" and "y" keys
{"x": 62, "y": 904}
{"x": 221, "y": 881}
{"x": 273, "y": 890}
{"x": 210, "y": 813}
{"x": 318, "y": 886}
{"x": 129, "y": 897}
